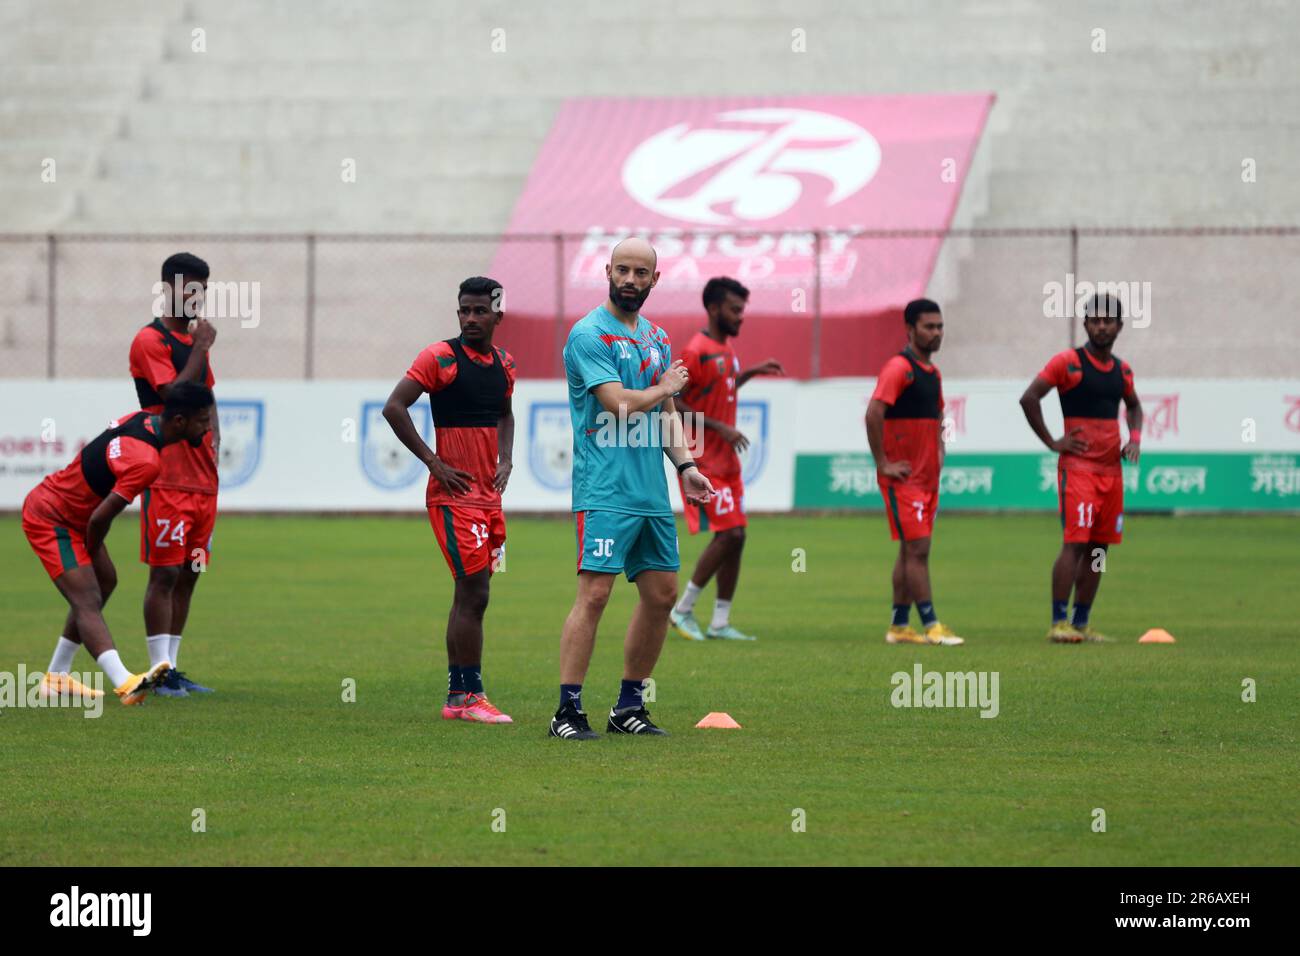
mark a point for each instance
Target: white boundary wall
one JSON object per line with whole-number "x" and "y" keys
{"x": 323, "y": 446}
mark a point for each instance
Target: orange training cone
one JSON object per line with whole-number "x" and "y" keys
{"x": 719, "y": 720}
{"x": 1157, "y": 635}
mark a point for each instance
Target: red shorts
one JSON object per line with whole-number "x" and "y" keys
{"x": 471, "y": 538}
{"x": 60, "y": 548}
{"x": 176, "y": 527}
{"x": 1092, "y": 506}
{"x": 910, "y": 510}
{"x": 726, "y": 509}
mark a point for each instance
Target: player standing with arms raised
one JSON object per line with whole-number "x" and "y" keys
{"x": 1090, "y": 381}
{"x": 715, "y": 378}
{"x": 66, "y": 519}
{"x": 622, "y": 380}
{"x": 905, "y": 431}
{"x": 470, "y": 382}
{"x": 178, "y": 513}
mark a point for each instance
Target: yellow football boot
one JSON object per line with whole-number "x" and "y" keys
{"x": 58, "y": 685}
{"x": 136, "y": 688}
{"x": 904, "y": 634}
{"x": 1063, "y": 632}
{"x": 938, "y": 633}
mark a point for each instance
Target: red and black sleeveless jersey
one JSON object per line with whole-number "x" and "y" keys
{"x": 914, "y": 393}
{"x": 177, "y": 354}
{"x": 123, "y": 460}
{"x": 467, "y": 396}
{"x": 1091, "y": 391}
{"x": 158, "y": 356}
{"x": 713, "y": 368}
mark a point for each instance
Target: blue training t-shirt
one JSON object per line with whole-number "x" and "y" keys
{"x": 616, "y": 466}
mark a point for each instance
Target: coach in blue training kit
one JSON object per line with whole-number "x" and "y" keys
{"x": 619, "y": 366}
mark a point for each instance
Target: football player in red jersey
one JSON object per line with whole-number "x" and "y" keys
{"x": 1091, "y": 382}
{"x": 177, "y": 514}
{"x": 710, "y": 400}
{"x": 66, "y": 519}
{"x": 905, "y": 431}
{"x": 469, "y": 382}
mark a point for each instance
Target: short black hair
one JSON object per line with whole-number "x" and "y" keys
{"x": 917, "y": 308}
{"x": 716, "y": 289}
{"x": 1104, "y": 304}
{"x": 185, "y": 264}
{"x": 186, "y": 398}
{"x": 478, "y": 285}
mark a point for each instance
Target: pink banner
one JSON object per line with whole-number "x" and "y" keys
{"x": 737, "y": 186}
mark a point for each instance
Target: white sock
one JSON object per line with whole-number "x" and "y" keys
{"x": 159, "y": 647}
{"x": 112, "y": 665}
{"x": 174, "y": 652}
{"x": 64, "y": 652}
{"x": 687, "y": 603}
{"x": 721, "y": 614}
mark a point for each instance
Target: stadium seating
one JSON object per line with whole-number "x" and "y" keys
{"x": 249, "y": 136}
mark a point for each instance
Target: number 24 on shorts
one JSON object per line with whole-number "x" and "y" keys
{"x": 177, "y": 534}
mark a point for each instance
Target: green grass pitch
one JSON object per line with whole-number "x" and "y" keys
{"x": 288, "y": 773}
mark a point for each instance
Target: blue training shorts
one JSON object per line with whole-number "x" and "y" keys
{"x": 612, "y": 543}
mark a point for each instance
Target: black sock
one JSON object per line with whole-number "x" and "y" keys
{"x": 901, "y": 612}
{"x": 629, "y": 694}
{"x": 926, "y": 610}
{"x": 1081, "y": 612}
{"x": 571, "y": 694}
{"x": 473, "y": 677}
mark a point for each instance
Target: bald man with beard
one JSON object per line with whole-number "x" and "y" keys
{"x": 622, "y": 380}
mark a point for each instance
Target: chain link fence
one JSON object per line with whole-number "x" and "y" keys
{"x": 1215, "y": 303}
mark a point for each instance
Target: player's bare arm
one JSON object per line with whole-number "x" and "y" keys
{"x": 619, "y": 400}
{"x": 770, "y": 367}
{"x": 404, "y": 395}
{"x": 100, "y": 521}
{"x": 876, "y": 440}
{"x": 675, "y": 446}
{"x": 1032, "y": 404}
{"x": 1133, "y": 415}
{"x": 697, "y": 488}
{"x": 732, "y": 436}
{"x": 505, "y": 445}
{"x": 216, "y": 432}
